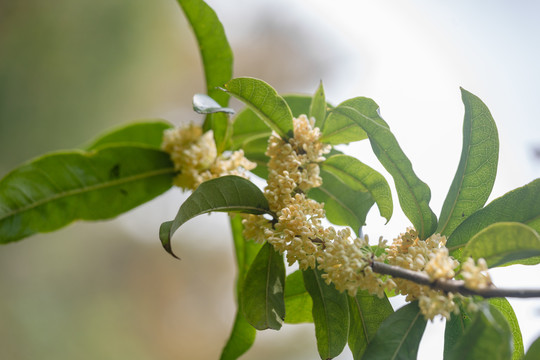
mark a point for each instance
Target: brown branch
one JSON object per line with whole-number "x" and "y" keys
{"x": 454, "y": 286}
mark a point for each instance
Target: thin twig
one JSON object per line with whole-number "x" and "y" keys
{"x": 454, "y": 286}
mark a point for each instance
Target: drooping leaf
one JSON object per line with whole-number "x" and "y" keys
{"x": 330, "y": 314}
{"x": 487, "y": 337}
{"x": 477, "y": 167}
{"x": 361, "y": 177}
{"x": 144, "y": 133}
{"x": 399, "y": 335}
{"x": 413, "y": 194}
{"x": 56, "y": 189}
{"x": 341, "y": 129}
{"x": 343, "y": 205}
{"x": 534, "y": 351}
{"x": 506, "y": 310}
{"x": 519, "y": 205}
{"x": 455, "y": 329}
{"x": 367, "y": 314}
{"x": 241, "y": 339}
{"x": 204, "y": 104}
{"x": 504, "y": 243}
{"x": 265, "y": 102}
{"x": 223, "y": 194}
{"x": 263, "y": 301}
{"x": 298, "y": 303}
{"x": 317, "y": 109}
{"x": 217, "y": 59}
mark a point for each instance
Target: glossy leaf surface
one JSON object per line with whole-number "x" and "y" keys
{"x": 144, "y": 133}
{"x": 204, "y": 104}
{"x": 298, "y": 303}
{"x": 477, "y": 167}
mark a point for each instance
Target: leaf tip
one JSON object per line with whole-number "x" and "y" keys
{"x": 165, "y": 237}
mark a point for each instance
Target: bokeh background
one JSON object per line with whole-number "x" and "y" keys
{"x": 71, "y": 69}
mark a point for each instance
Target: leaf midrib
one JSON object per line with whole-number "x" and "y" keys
{"x": 405, "y": 336}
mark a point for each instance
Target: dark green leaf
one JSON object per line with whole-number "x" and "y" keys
{"x": 413, "y": 194}
{"x": 519, "y": 205}
{"x": 477, "y": 167}
{"x": 317, "y": 108}
{"x": 241, "y": 339}
{"x": 263, "y": 301}
{"x": 399, "y": 335}
{"x": 204, "y": 104}
{"x": 367, "y": 314}
{"x": 56, "y": 189}
{"x": 341, "y": 129}
{"x": 487, "y": 337}
{"x": 298, "y": 303}
{"x": 454, "y": 330}
{"x": 330, "y": 314}
{"x": 506, "y": 310}
{"x": 503, "y": 243}
{"x": 265, "y": 102}
{"x": 534, "y": 351}
{"x": 223, "y": 194}
{"x": 361, "y": 177}
{"x": 147, "y": 133}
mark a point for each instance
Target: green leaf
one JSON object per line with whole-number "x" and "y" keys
{"x": 263, "y": 293}
{"x": 399, "y": 335}
{"x": 265, "y": 102}
{"x": 487, "y": 337}
{"x": 204, "y": 104}
{"x": 341, "y": 129}
{"x": 144, "y": 133}
{"x": 367, "y": 314}
{"x": 317, "y": 108}
{"x": 454, "y": 330}
{"x": 477, "y": 167}
{"x": 298, "y": 303}
{"x": 504, "y": 243}
{"x": 519, "y": 205}
{"x": 217, "y": 59}
{"x": 330, "y": 314}
{"x": 343, "y": 205}
{"x": 534, "y": 351}
{"x": 241, "y": 339}
{"x": 413, "y": 194}
{"x": 361, "y": 177}
{"x": 223, "y": 194}
{"x": 506, "y": 310}
{"x": 56, "y": 189}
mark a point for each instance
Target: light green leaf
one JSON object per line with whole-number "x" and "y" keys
{"x": 506, "y": 310}
{"x": 534, "y": 351}
{"x": 454, "y": 330}
{"x": 413, "y": 194}
{"x": 144, "y": 133}
{"x": 477, "y": 167}
{"x": 367, "y": 314}
{"x": 399, "y": 335}
{"x": 217, "y": 59}
{"x": 317, "y": 108}
{"x": 361, "y": 177}
{"x": 265, "y": 102}
{"x": 330, "y": 314}
{"x": 263, "y": 301}
{"x": 298, "y": 303}
{"x": 56, "y": 189}
{"x": 223, "y": 194}
{"x": 504, "y": 243}
{"x": 341, "y": 129}
{"x": 519, "y": 205}
{"x": 204, "y": 104}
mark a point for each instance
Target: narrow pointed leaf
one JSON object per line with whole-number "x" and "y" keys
{"x": 56, "y": 189}
{"x": 263, "y": 301}
{"x": 204, "y": 104}
{"x": 224, "y": 194}
{"x": 265, "y": 102}
{"x": 504, "y": 243}
{"x": 413, "y": 194}
{"x": 298, "y": 303}
{"x": 399, "y": 335}
{"x": 477, "y": 167}
{"x": 367, "y": 314}
{"x": 361, "y": 177}
{"x": 519, "y": 205}
{"x": 317, "y": 108}
{"x": 506, "y": 310}
{"x": 341, "y": 129}
{"x": 144, "y": 133}
{"x": 330, "y": 314}
{"x": 534, "y": 351}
